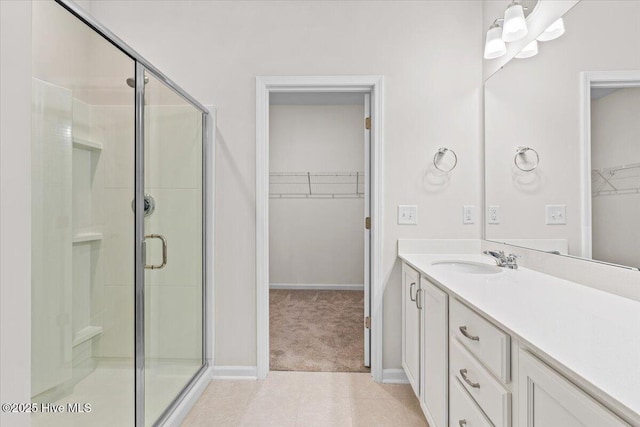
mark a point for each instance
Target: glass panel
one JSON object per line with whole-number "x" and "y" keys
{"x": 82, "y": 224}
{"x": 173, "y": 293}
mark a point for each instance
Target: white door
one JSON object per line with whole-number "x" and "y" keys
{"x": 367, "y": 230}
{"x": 411, "y": 300}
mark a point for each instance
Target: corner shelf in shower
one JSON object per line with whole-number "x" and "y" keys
{"x": 85, "y": 144}
{"x": 85, "y": 334}
{"x": 87, "y": 237}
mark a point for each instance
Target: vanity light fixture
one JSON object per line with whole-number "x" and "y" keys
{"x": 553, "y": 31}
{"x": 515, "y": 24}
{"x": 529, "y": 50}
{"x": 494, "y": 46}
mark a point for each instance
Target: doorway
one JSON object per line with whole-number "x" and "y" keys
{"x": 318, "y": 262}
{"x": 361, "y": 185}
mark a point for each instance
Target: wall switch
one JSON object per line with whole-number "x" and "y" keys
{"x": 493, "y": 216}
{"x": 556, "y": 214}
{"x": 468, "y": 214}
{"x": 407, "y": 214}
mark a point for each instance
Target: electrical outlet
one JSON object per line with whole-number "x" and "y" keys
{"x": 468, "y": 214}
{"x": 494, "y": 215}
{"x": 407, "y": 215}
{"x": 556, "y": 214}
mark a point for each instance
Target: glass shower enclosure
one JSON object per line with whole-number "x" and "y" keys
{"x": 118, "y": 228}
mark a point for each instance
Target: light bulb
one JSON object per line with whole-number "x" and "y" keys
{"x": 494, "y": 47}
{"x": 553, "y": 31}
{"x": 528, "y": 51}
{"x": 515, "y": 25}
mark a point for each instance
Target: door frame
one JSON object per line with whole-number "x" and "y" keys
{"x": 373, "y": 84}
{"x": 589, "y": 80}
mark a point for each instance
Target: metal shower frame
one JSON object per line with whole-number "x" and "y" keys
{"x": 142, "y": 66}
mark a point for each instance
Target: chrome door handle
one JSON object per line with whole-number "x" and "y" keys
{"x": 463, "y": 330}
{"x": 419, "y": 298}
{"x": 462, "y": 423}
{"x": 164, "y": 251}
{"x": 411, "y": 287}
{"x": 466, "y": 379}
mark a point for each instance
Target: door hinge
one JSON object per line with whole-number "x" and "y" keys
{"x": 367, "y": 322}
{"x": 367, "y": 223}
{"x": 367, "y": 123}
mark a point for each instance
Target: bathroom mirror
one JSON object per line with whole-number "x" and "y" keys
{"x": 562, "y": 140}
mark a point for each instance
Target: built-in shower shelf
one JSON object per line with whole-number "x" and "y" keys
{"x": 86, "y": 334}
{"x": 85, "y": 144}
{"x": 87, "y": 237}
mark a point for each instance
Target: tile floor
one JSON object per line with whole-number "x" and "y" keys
{"x": 307, "y": 399}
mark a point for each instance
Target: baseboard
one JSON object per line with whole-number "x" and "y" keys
{"x": 235, "y": 373}
{"x": 394, "y": 376}
{"x": 317, "y": 286}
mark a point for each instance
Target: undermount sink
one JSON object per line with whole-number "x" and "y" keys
{"x": 468, "y": 267}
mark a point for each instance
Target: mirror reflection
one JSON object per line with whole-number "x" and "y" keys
{"x": 562, "y": 139}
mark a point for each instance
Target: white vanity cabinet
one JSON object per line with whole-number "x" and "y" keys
{"x": 411, "y": 326}
{"x": 546, "y": 399}
{"x": 425, "y": 344}
{"x": 435, "y": 354}
{"x": 467, "y": 371}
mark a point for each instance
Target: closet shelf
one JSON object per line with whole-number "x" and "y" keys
{"x": 316, "y": 185}
{"x": 623, "y": 179}
{"x": 87, "y": 237}
{"x": 85, "y": 334}
{"x": 85, "y": 144}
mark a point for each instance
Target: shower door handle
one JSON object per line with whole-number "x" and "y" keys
{"x": 164, "y": 251}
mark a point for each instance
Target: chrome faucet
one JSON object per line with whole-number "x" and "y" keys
{"x": 502, "y": 260}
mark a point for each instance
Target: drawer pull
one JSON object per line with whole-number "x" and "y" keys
{"x": 419, "y": 298}
{"x": 462, "y": 423}
{"x": 463, "y": 331}
{"x": 411, "y": 288}
{"x": 466, "y": 379}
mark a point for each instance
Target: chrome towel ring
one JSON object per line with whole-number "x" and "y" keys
{"x": 440, "y": 154}
{"x": 520, "y": 152}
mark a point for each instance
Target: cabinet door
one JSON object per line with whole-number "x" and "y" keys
{"x": 411, "y": 326}
{"x": 546, "y": 399}
{"x": 435, "y": 353}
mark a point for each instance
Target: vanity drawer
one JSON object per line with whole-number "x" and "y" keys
{"x": 492, "y": 397}
{"x": 490, "y": 344}
{"x": 463, "y": 411}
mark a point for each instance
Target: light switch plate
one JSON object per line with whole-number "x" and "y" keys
{"x": 468, "y": 214}
{"x": 493, "y": 214}
{"x": 556, "y": 214}
{"x": 407, "y": 214}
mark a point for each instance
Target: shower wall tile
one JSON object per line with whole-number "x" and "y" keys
{"x": 117, "y": 259}
{"x": 115, "y": 128}
{"x": 173, "y": 149}
{"x": 173, "y": 327}
{"x": 117, "y": 338}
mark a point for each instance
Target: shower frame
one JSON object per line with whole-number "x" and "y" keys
{"x": 142, "y": 66}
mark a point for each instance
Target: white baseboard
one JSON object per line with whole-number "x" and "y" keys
{"x": 235, "y": 373}
{"x": 394, "y": 376}
{"x": 317, "y": 286}
{"x": 180, "y": 413}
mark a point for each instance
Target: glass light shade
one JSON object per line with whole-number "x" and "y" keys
{"x": 552, "y": 32}
{"x": 515, "y": 25}
{"x": 494, "y": 47}
{"x": 528, "y": 51}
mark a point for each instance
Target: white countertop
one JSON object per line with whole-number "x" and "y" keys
{"x": 593, "y": 334}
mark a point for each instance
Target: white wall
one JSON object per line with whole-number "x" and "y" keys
{"x": 15, "y": 207}
{"x": 615, "y": 141}
{"x": 316, "y": 241}
{"x": 536, "y": 102}
{"x": 431, "y": 56}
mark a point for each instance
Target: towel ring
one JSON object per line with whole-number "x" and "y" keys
{"x": 440, "y": 154}
{"x": 520, "y": 151}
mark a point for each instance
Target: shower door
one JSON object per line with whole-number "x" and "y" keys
{"x": 171, "y": 319}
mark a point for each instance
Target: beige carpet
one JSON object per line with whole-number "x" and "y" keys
{"x": 316, "y": 331}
